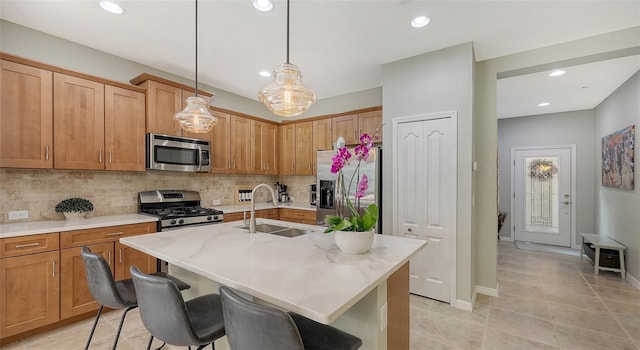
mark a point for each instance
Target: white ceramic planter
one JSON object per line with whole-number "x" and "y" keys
{"x": 354, "y": 242}
{"x": 74, "y": 215}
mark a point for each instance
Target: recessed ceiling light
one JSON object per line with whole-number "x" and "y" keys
{"x": 420, "y": 21}
{"x": 543, "y": 104}
{"x": 111, "y": 7}
{"x": 264, "y": 73}
{"x": 557, "y": 73}
{"x": 263, "y": 5}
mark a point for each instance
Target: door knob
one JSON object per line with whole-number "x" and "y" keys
{"x": 566, "y": 203}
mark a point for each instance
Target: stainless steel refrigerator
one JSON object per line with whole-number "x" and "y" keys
{"x": 328, "y": 189}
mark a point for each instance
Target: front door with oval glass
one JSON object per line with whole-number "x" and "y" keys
{"x": 542, "y": 196}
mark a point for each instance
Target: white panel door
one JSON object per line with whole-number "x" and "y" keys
{"x": 542, "y": 196}
{"x": 425, "y": 186}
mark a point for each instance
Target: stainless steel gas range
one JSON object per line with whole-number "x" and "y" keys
{"x": 177, "y": 208}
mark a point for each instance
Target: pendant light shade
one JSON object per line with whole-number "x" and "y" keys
{"x": 195, "y": 117}
{"x": 287, "y": 96}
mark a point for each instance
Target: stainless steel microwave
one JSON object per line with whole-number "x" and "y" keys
{"x": 174, "y": 153}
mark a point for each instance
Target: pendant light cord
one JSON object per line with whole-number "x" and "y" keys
{"x": 287, "y": 31}
{"x": 196, "y": 48}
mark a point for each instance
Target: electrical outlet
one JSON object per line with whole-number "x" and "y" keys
{"x": 216, "y": 202}
{"x": 383, "y": 317}
{"x": 17, "y": 215}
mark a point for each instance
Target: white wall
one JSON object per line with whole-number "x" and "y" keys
{"x": 434, "y": 82}
{"x": 566, "y": 128}
{"x": 617, "y": 210}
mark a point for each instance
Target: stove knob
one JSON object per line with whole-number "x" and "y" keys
{"x": 209, "y": 218}
{"x": 181, "y": 221}
{"x": 172, "y": 222}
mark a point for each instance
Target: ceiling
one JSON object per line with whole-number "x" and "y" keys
{"x": 340, "y": 46}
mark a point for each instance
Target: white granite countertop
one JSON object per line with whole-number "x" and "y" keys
{"x": 38, "y": 227}
{"x": 260, "y": 206}
{"x": 306, "y": 274}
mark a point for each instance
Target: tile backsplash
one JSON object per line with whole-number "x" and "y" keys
{"x": 39, "y": 190}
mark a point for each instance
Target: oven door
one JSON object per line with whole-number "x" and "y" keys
{"x": 166, "y": 152}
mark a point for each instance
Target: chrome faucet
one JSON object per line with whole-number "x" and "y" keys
{"x": 252, "y": 219}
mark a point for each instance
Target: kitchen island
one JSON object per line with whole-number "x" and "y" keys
{"x": 306, "y": 274}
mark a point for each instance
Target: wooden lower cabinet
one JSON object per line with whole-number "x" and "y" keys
{"x": 297, "y": 215}
{"x": 126, "y": 257}
{"x": 234, "y": 216}
{"x": 29, "y": 292}
{"x": 75, "y": 297}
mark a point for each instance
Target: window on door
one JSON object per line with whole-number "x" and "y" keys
{"x": 541, "y": 191}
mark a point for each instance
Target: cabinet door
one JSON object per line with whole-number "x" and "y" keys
{"x": 257, "y": 134}
{"x": 125, "y": 257}
{"x": 347, "y": 127}
{"x": 163, "y": 101}
{"x": 270, "y": 148}
{"x": 78, "y": 123}
{"x": 368, "y": 123}
{"x": 287, "y": 147}
{"x": 29, "y": 290}
{"x": 322, "y": 139}
{"x": 75, "y": 297}
{"x": 304, "y": 148}
{"x": 240, "y": 145}
{"x": 26, "y": 116}
{"x": 220, "y": 144}
{"x": 124, "y": 129}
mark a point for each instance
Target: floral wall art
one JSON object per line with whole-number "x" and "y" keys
{"x": 618, "y": 158}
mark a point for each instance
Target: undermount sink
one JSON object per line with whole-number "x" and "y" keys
{"x": 278, "y": 230}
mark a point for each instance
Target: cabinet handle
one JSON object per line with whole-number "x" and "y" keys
{"x": 27, "y": 245}
{"x": 100, "y": 156}
{"x": 109, "y": 257}
{"x": 53, "y": 269}
{"x": 309, "y": 166}
{"x": 46, "y": 152}
{"x": 355, "y": 133}
{"x": 234, "y": 163}
{"x": 110, "y": 156}
{"x": 229, "y": 163}
{"x": 115, "y": 234}
{"x": 120, "y": 251}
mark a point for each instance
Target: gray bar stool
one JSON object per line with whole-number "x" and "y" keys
{"x": 109, "y": 292}
{"x": 169, "y": 318}
{"x": 254, "y": 326}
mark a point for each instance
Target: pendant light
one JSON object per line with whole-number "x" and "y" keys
{"x": 287, "y": 96}
{"x": 195, "y": 117}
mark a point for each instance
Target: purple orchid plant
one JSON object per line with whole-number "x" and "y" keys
{"x": 353, "y": 221}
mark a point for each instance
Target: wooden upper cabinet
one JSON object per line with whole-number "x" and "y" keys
{"x": 322, "y": 136}
{"x": 347, "y": 127}
{"x": 305, "y": 155}
{"x": 163, "y": 101}
{"x": 78, "y": 114}
{"x": 220, "y": 144}
{"x": 368, "y": 122}
{"x": 26, "y": 116}
{"x": 287, "y": 148}
{"x": 264, "y": 155}
{"x": 124, "y": 129}
{"x": 240, "y": 145}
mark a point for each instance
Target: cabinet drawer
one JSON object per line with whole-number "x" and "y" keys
{"x": 78, "y": 238}
{"x": 234, "y": 216}
{"x": 269, "y": 214}
{"x": 23, "y": 245}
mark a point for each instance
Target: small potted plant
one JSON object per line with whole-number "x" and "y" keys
{"x": 74, "y": 208}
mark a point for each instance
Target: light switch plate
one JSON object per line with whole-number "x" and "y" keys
{"x": 216, "y": 202}
{"x": 17, "y": 215}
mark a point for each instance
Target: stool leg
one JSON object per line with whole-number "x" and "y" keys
{"x": 95, "y": 323}
{"x": 150, "y": 341}
{"x": 115, "y": 342}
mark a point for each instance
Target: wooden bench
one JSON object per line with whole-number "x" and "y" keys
{"x": 599, "y": 242}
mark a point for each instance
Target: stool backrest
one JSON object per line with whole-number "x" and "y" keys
{"x": 162, "y": 309}
{"x": 100, "y": 279}
{"x": 253, "y": 326}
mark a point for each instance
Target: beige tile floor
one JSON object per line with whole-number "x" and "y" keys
{"x": 547, "y": 301}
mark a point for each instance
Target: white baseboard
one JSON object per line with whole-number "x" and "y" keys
{"x": 464, "y": 305}
{"x": 492, "y": 292}
{"x": 633, "y": 280}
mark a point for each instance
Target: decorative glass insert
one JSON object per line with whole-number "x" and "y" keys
{"x": 541, "y": 191}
